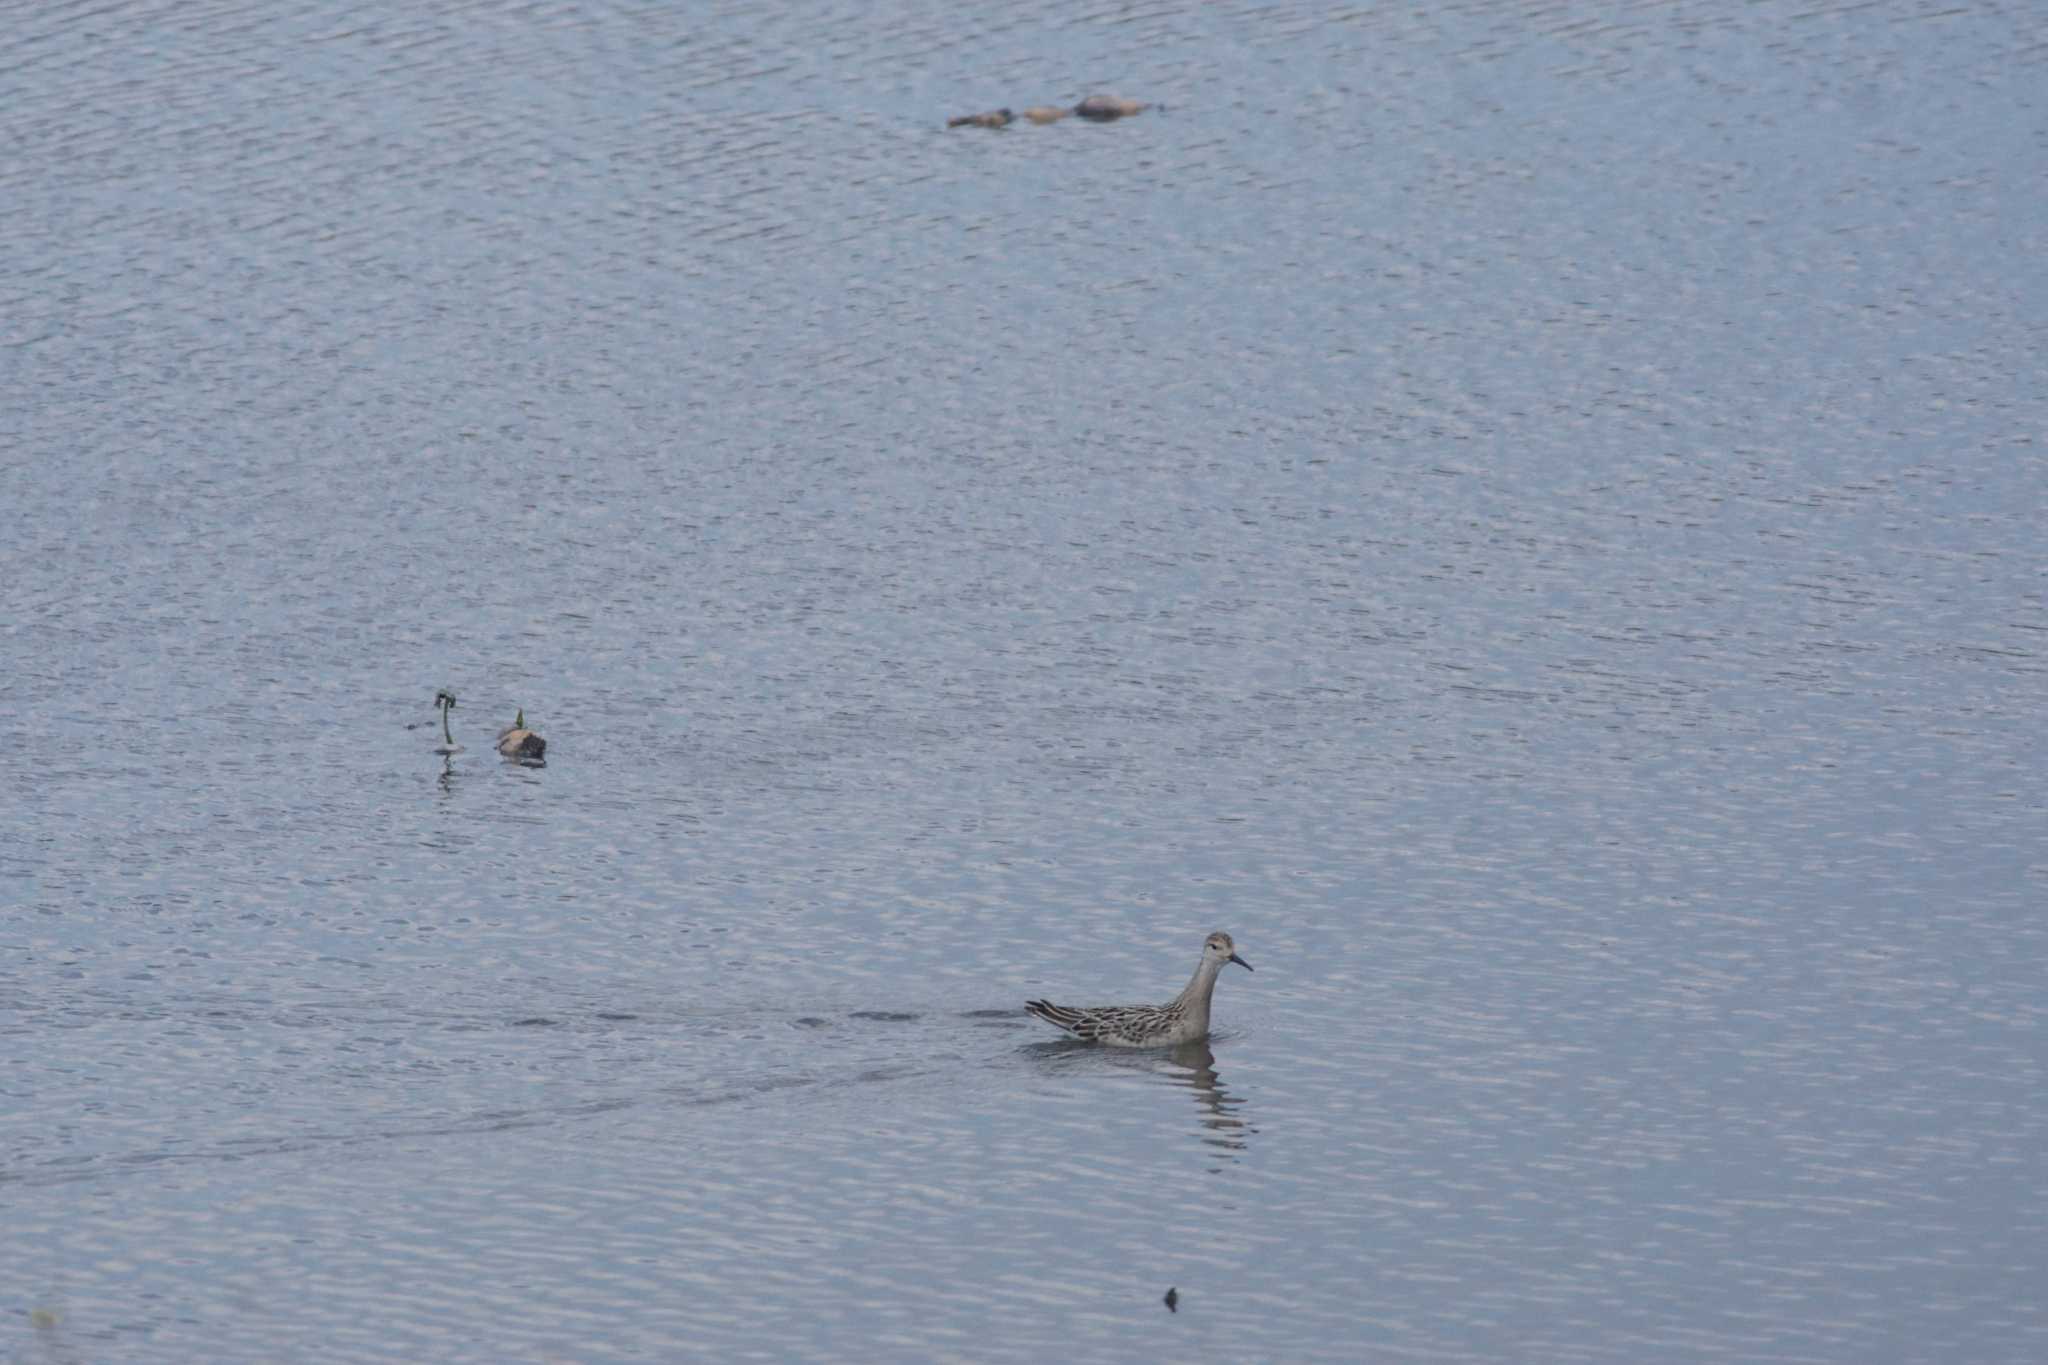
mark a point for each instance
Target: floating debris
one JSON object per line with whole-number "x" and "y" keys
{"x": 994, "y": 118}
{"x": 444, "y": 702}
{"x": 1172, "y": 1300}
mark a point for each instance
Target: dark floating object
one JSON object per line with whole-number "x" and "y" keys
{"x": 1107, "y": 108}
{"x": 994, "y": 118}
{"x": 516, "y": 741}
{"x": 1172, "y": 1300}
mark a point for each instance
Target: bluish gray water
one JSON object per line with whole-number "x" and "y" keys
{"x": 1528, "y": 516}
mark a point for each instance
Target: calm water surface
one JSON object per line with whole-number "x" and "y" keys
{"x": 1529, "y": 516}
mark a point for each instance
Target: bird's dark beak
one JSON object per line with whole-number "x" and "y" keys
{"x": 1240, "y": 962}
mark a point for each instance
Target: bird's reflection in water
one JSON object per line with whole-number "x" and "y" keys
{"x": 447, "y": 778}
{"x": 1224, "y": 1125}
{"x": 1194, "y": 1066}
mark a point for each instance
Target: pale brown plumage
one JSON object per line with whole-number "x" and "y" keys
{"x": 1183, "y": 1019}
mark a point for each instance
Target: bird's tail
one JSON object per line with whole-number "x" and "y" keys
{"x": 1059, "y": 1016}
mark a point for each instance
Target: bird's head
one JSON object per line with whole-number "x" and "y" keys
{"x": 1220, "y": 949}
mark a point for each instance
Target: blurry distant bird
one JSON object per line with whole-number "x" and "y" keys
{"x": 1105, "y": 108}
{"x": 994, "y": 118}
{"x": 516, "y": 741}
{"x": 1047, "y": 113}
